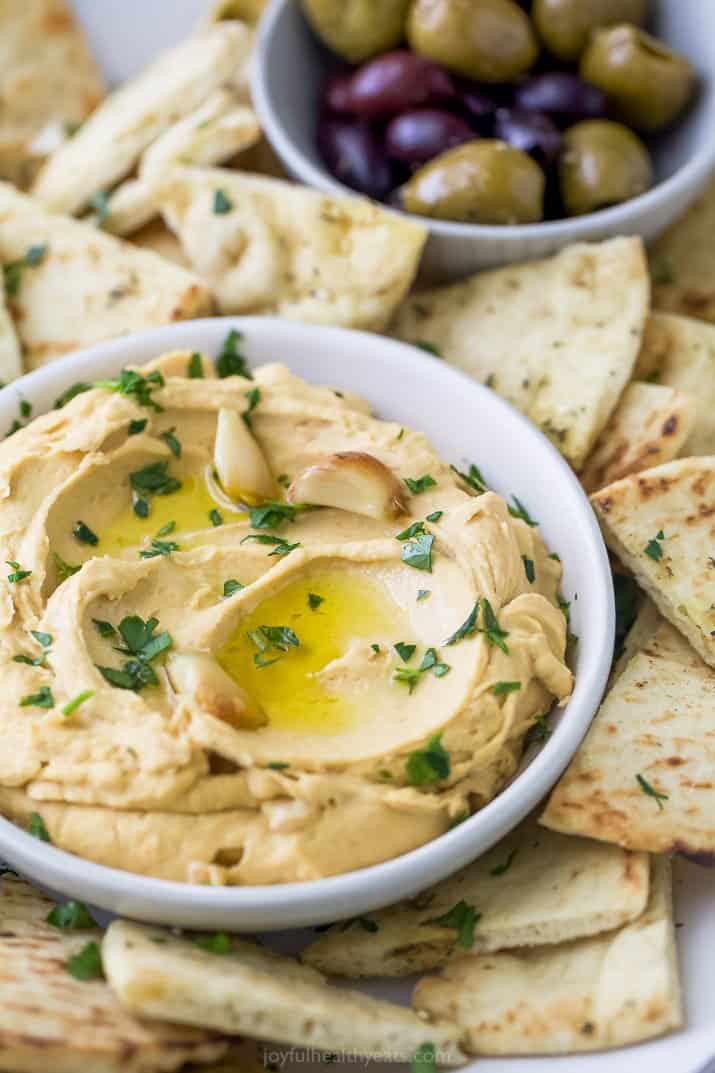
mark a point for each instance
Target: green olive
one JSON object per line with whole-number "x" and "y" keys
{"x": 647, "y": 83}
{"x": 565, "y": 25}
{"x": 358, "y": 29}
{"x": 480, "y": 182}
{"x": 489, "y": 40}
{"x": 602, "y": 163}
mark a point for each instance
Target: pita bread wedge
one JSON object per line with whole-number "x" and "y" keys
{"x": 82, "y": 286}
{"x": 250, "y": 990}
{"x": 682, "y": 262}
{"x": 588, "y": 995}
{"x": 557, "y": 338}
{"x": 157, "y": 237}
{"x": 49, "y": 83}
{"x": 643, "y": 776}
{"x": 281, "y": 248}
{"x": 660, "y": 525}
{"x": 527, "y": 891}
{"x": 679, "y": 352}
{"x": 52, "y": 1021}
{"x": 649, "y": 426}
{"x": 110, "y": 144}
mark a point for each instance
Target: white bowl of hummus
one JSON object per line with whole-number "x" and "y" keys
{"x": 286, "y": 610}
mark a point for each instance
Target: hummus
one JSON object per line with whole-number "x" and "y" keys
{"x": 198, "y": 692}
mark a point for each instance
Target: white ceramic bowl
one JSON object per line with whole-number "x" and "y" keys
{"x": 288, "y": 76}
{"x": 466, "y": 422}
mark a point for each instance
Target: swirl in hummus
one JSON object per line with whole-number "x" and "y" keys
{"x": 251, "y": 634}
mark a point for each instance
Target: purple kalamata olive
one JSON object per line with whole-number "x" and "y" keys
{"x": 417, "y": 136}
{"x": 532, "y": 133}
{"x": 354, "y": 153}
{"x": 336, "y": 96}
{"x": 564, "y": 96}
{"x": 396, "y": 81}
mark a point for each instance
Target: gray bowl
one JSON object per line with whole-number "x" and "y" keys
{"x": 289, "y": 73}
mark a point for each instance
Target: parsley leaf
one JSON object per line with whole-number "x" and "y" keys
{"x": 654, "y": 548}
{"x": 428, "y": 765}
{"x": 404, "y": 651}
{"x": 136, "y": 386}
{"x": 424, "y": 1059}
{"x": 154, "y": 479}
{"x": 84, "y": 534}
{"x": 71, "y": 393}
{"x": 222, "y": 203}
{"x": 44, "y": 639}
{"x": 500, "y": 689}
{"x": 501, "y": 869}
{"x": 422, "y": 594}
{"x": 159, "y": 547}
{"x": 280, "y": 637}
{"x": 72, "y": 705}
{"x": 253, "y": 397}
{"x": 280, "y": 546}
{"x": 171, "y": 442}
{"x": 417, "y": 485}
{"x": 473, "y": 478}
{"x": 231, "y": 586}
{"x": 529, "y": 569}
{"x": 37, "y": 827}
{"x": 435, "y": 516}
{"x": 137, "y": 425}
{"x": 87, "y": 965}
{"x": 143, "y": 645}
{"x": 103, "y": 628}
{"x": 538, "y": 733}
{"x": 463, "y": 918}
{"x": 72, "y": 916}
{"x": 410, "y": 676}
{"x": 651, "y": 792}
{"x": 195, "y": 368}
{"x": 18, "y": 574}
{"x": 166, "y": 529}
{"x": 520, "y": 511}
{"x": 271, "y": 514}
{"x": 219, "y": 943}
{"x": 230, "y": 362}
{"x": 416, "y": 529}
{"x": 417, "y": 553}
{"x": 468, "y": 627}
{"x": 12, "y": 272}
{"x": 63, "y": 569}
{"x": 314, "y": 601}
{"x": 99, "y": 202}
{"x": 215, "y": 517}
{"x": 429, "y": 348}
{"x": 491, "y": 629}
{"x": 42, "y": 699}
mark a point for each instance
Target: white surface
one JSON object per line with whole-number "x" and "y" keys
{"x": 287, "y": 80}
{"x": 466, "y": 422}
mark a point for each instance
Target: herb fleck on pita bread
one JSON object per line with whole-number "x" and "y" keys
{"x": 554, "y": 889}
{"x": 588, "y": 995}
{"x": 255, "y": 992}
{"x": 557, "y": 338}
{"x": 660, "y": 525}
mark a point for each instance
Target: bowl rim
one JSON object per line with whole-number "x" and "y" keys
{"x": 351, "y": 893}
{"x": 688, "y": 177}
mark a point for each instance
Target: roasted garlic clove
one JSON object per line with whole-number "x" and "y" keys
{"x": 203, "y": 682}
{"x": 350, "y": 480}
{"x": 240, "y": 463}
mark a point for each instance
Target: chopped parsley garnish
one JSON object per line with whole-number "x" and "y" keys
{"x": 473, "y": 478}
{"x": 417, "y": 553}
{"x": 280, "y": 546}
{"x": 271, "y": 514}
{"x": 277, "y": 765}
{"x": 651, "y": 792}
{"x": 84, "y": 534}
{"x": 231, "y": 586}
{"x": 215, "y": 517}
{"x": 64, "y": 569}
{"x": 171, "y": 442}
{"x": 404, "y": 651}
{"x": 143, "y": 645}
{"x": 72, "y": 705}
{"x": 103, "y": 628}
{"x": 18, "y": 574}
{"x": 136, "y": 386}
{"x": 416, "y": 529}
{"x": 428, "y": 765}
{"x": 169, "y": 527}
{"x": 564, "y": 608}
{"x": 269, "y": 639}
{"x": 222, "y": 203}
{"x": 520, "y": 511}
{"x": 491, "y": 629}
{"x": 314, "y": 601}
{"x": 12, "y": 272}
{"x": 468, "y": 627}
{"x": 99, "y": 203}
{"x": 410, "y": 676}
{"x": 195, "y": 368}
{"x": 152, "y": 479}
{"x": 44, "y": 639}
{"x": 424, "y": 1059}
{"x": 253, "y": 397}
{"x": 661, "y": 272}
{"x": 159, "y": 547}
{"x": 71, "y": 393}
{"x": 72, "y": 916}
{"x": 429, "y": 348}
{"x": 376, "y": 649}
{"x": 37, "y": 827}
{"x": 435, "y": 516}
{"x": 463, "y": 918}
{"x": 230, "y": 362}
{"x": 654, "y": 548}
{"x": 140, "y": 506}
{"x": 42, "y": 699}
{"x": 283, "y": 480}
{"x": 422, "y": 594}
{"x": 137, "y": 425}
{"x": 432, "y": 662}
{"x": 501, "y": 869}
{"x": 529, "y": 569}
{"x": 539, "y": 732}
{"x": 500, "y": 689}
{"x": 87, "y": 965}
{"x": 218, "y": 943}
{"x": 417, "y": 485}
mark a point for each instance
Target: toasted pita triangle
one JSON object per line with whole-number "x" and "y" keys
{"x": 679, "y": 352}
{"x": 682, "y": 262}
{"x": 50, "y": 1021}
{"x": 609, "y": 991}
{"x": 87, "y": 286}
{"x": 285, "y": 249}
{"x": 528, "y": 890}
{"x": 660, "y": 525}
{"x": 649, "y": 426}
{"x": 657, "y": 722}
{"x": 252, "y": 991}
{"x": 557, "y": 338}
{"x": 49, "y": 83}
{"x": 109, "y": 145}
